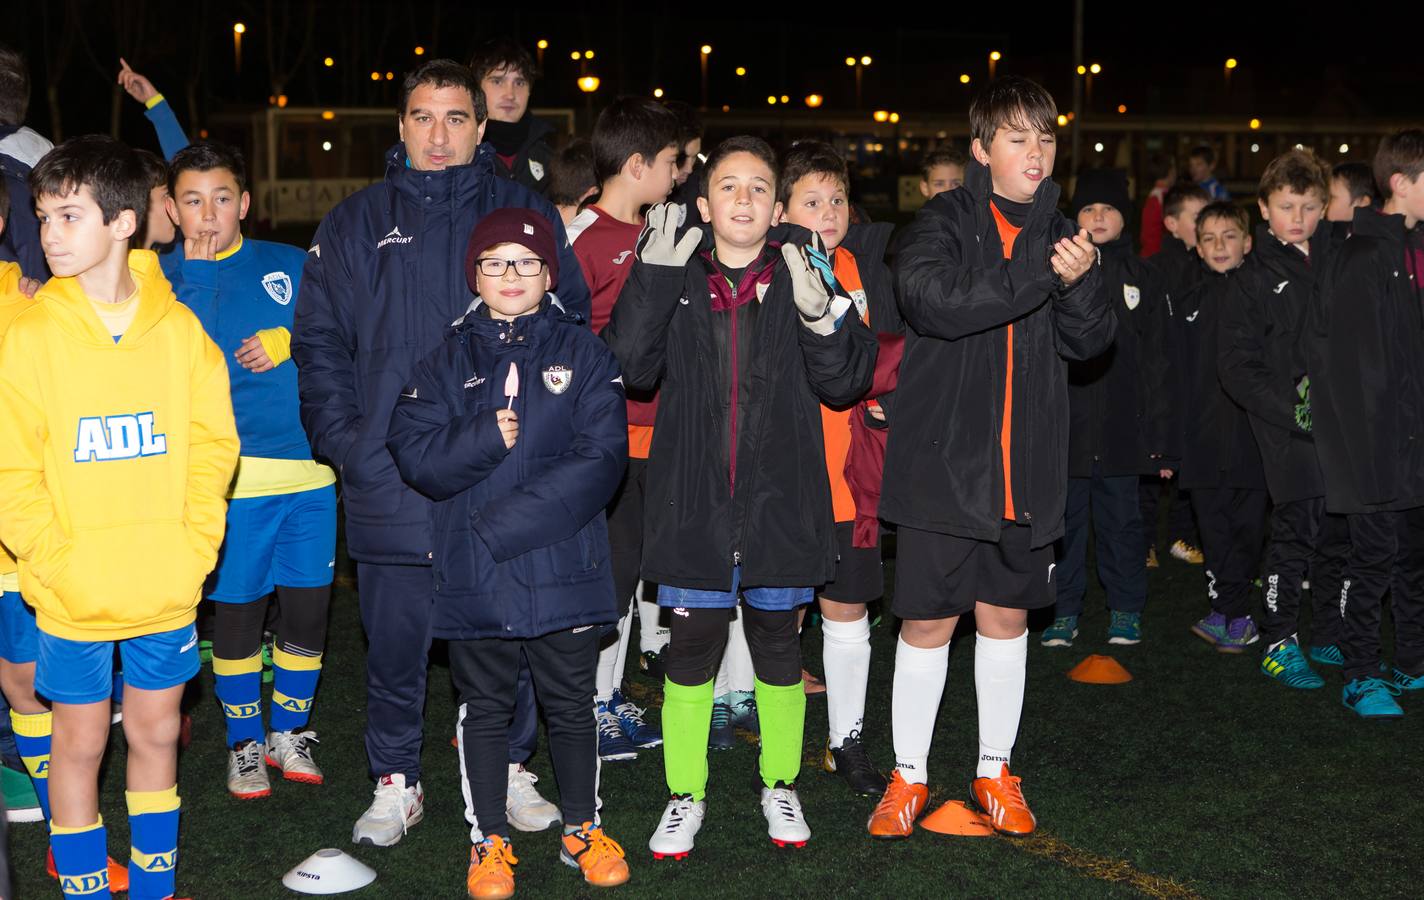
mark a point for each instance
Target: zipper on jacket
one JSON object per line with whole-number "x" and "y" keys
{"x": 732, "y": 411}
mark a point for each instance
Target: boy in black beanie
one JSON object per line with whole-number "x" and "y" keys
{"x": 1117, "y": 407}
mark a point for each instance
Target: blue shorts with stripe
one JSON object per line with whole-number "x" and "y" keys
{"x": 284, "y": 539}
{"x": 83, "y": 671}
{"x": 18, "y": 632}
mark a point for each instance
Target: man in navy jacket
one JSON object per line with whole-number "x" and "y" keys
{"x": 383, "y": 279}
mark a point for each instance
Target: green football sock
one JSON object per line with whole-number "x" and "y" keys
{"x": 687, "y": 718}
{"x": 782, "y": 710}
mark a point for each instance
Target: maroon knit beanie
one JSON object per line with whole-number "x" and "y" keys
{"x": 513, "y": 225}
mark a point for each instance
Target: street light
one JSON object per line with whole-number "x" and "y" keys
{"x": 964, "y": 79}
{"x": 588, "y": 54}
{"x": 1121, "y": 108}
{"x": 588, "y": 83}
{"x": 880, "y": 115}
{"x": 859, "y": 66}
{"x": 771, "y": 100}
{"x": 238, "y": 30}
{"x": 375, "y": 76}
{"x": 1255, "y": 124}
{"x": 539, "y": 52}
{"x": 703, "y": 52}
{"x": 575, "y": 56}
{"x": 658, "y": 92}
{"x": 419, "y": 50}
{"x": 1062, "y": 121}
{"x": 814, "y": 100}
{"x": 741, "y": 71}
{"x": 994, "y": 57}
{"x": 1227, "y": 69}
{"x": 328, "y": 62}
{"x": 1095, "y": 68}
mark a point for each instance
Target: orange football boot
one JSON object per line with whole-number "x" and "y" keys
{"x": 895, "y": 814}
{"x": 597, "y": 855}
{"x": 490, "y": 876}
{"x": 1002, "y": 800}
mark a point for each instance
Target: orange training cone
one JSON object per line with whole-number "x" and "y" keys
{"x": 956, "y": 818}
{"x": 1100, "y": 670}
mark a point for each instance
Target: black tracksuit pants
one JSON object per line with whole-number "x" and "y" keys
{"x": 1296, "y": 530}
{"x": 1113, "y": 505}
{"x": 1327, "y": 580}
{"x": 1233, "y": 526}
{"x": 1387, "y": 556}
{"x": 486, "y": 673}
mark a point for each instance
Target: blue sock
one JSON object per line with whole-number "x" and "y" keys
{"x": 294, "y": 686}
{"x": 239, "y": 688}
{"x": 81, "y": 857}
{"x": 153, "y": 834}
{"x": 32, "y": 735}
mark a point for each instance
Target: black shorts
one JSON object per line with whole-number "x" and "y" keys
{"x": 938, "y": 576}
{"x": 625, "y": 532}
{"x": 860, "y": 573}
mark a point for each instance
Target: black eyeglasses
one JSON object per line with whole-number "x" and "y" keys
{"x": 494, "y": 267}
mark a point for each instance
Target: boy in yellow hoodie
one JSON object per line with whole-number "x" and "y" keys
{"x": 121, "y": 447}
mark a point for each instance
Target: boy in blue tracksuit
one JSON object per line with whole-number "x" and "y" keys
{"x": 515, "y": 426}
{"x": 281, "y": 521}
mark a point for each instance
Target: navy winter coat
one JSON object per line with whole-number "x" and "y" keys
{"x": 521, "y": 545}
{"x": 384, "y": 278}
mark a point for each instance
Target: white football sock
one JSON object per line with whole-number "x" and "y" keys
{"x": 625, "y": 630}
{"x": 652, "y": 636}
{"x": 740, "y": 674}
{"x": 610, "y": 673}
{"x": 999, "y": 668}
{"x": 914, "y": 705}
{"x": 845, "y": 654}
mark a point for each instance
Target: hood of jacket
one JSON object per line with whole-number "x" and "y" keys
{"x": 67, "y": 304}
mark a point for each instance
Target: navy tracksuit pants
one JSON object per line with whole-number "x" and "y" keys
{"x": 1112, "y": 505}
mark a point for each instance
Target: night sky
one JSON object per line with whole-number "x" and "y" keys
{"x": 1295, "y": 60}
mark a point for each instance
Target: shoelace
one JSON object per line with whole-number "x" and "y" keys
{"x": 249, "y": 759}
{"x": 299, "y": 740}
{"x": 390, "y": 798}
{"x": 1013, "y": 793}
{"x": 1062, "y": 624}
{"x": 854, "y": 755}
{"x": 608, "y": 726}
{"x": 498, "y": 856}
{"x": 597, "y": 844}
{"x": 626, "y": 710}
{"x": 783, "y": 800}
{"x": 677, "y": 814}
{"x": 893, "y": 798}
{"x": 1379, "y": 684}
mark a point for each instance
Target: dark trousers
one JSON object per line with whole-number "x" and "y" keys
{"x": 1180, "y": 527}
{"x": 1233, "y": 526}
{"x": 1387, "y": 556}
{"x": 1327, "y": 580}
{"x": 485, "y": 673}
{"x": 625, "y": 533}
{"x": 1295, "y": 535}
{"x": 397, "y": 608}
{"x": 1116, "y": 519}
{"x": 700, "y": 637}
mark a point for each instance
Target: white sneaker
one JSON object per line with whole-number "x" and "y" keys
{"x": 678, "y": 827}
{"x": 391, "y": 814}
{"x": 246, "y": 776}
{"x": 291, "y": 752}
{"x": 524, "y": 807}
{"x": 785, "y": 824}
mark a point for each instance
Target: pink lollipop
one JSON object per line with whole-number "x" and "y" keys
{"x": 511, "y": 385}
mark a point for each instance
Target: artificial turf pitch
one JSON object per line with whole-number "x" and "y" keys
{"x": 1199, "y": 778}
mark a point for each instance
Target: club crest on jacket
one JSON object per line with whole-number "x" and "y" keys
{"x": 537, "y": 170}
{"x": 557, "y": 378}
{"x": 278, "y": 286}
{"x": 1131, "y": 296}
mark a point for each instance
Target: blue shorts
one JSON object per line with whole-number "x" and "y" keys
{"x": 18, "y": 633}
{"x": 286, "y": 539}
{"x": 82, "y": 671}
{"x": 769, "y": 599}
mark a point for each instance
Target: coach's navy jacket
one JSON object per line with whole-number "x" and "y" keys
{"x": 521, "y": 545}
{"x": 384, "y": 278}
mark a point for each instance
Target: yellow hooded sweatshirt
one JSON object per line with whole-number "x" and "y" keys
{"x": 12, "y": 303}
{"x": 116, "y": 460}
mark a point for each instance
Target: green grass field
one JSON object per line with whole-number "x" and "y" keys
{"x": 1198, "y": 778}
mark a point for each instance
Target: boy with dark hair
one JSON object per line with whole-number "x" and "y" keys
{"x": 689, "y": 152}
{"x": 814, "y": 190}
{"x": 158, "y": 232}
{"x": 997, "y": 287}
{"x": 281, "y": 516}
{"x": 1117, "y": 427}
{"x": 746, "y": 340}
{"x": 1162, "y": 169}
{"x": 571, "y": 179}
{"x": 1364, "y": 345}
{"x": 1352, "y": 185}
{"x": 635, "y": 158}
{"x": 506, "y": 74}
{"x": 1179, "y": 265}
{"x": 1200, "y": 165}
{"x": 941, "y": 170}
{"x": 1220, "y": 465}
{"x": 20, "y": 149}
{"x": 115, "y": 532}
{"x": 514, "y": 425}
{"x": 1261, "y": 368}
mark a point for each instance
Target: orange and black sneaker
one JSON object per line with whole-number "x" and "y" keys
{"x": 1002, "y": 800}
{"x": 597, "y": 855}
{"x": 118, "y": 873}
{"x": 491, "y": 877}
{"x": 895, "y": 814}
